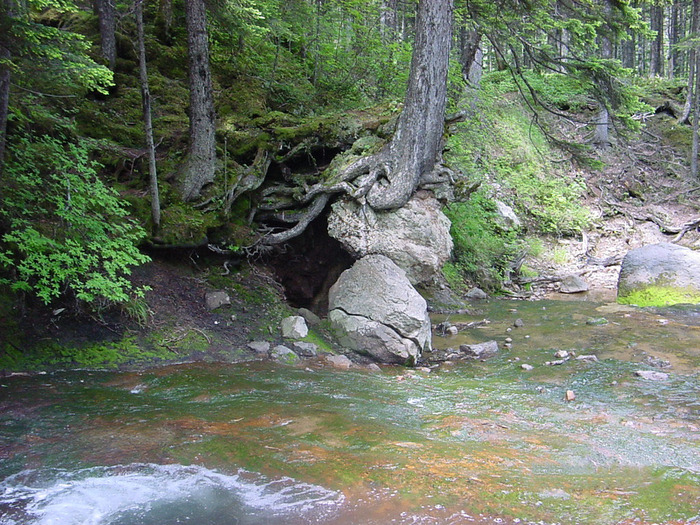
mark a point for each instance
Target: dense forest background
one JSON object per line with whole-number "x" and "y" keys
{"x": 128, "y": 128}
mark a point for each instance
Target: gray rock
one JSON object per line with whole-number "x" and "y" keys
{"x": 507, "y": 219}
{"x": 311, "y": 318}
{"x": 285, "y": 355}
{"x": 662, "y": 273}
{"x": 480, "y": 350}
{"x": 573, "y": 284}
{"x": 294, "y": 327}
{"x": 416, "y": 236}
{"x": 374, "y": 310}
{"x": 651, "y": 375}
{"x": 259, "y": 347}
{"x": 339, "y": 361}
{"x": 518, "y": 323}
{"x": 527, "y": 367}
{"x": 590, "y": 358}
{"x": 216, "y": 299}
{"x": 476, "y": 293}
{"x": 305, "y": 349}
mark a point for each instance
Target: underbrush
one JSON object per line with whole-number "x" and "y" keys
{"x": 501, "y": 148}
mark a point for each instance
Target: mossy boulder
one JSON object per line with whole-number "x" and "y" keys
{"x": 660, "y": 275}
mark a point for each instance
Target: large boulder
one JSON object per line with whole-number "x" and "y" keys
{"x": 416, "y": 236}
{"x": 374, "y": 310}
{"x": 659, "y": 275}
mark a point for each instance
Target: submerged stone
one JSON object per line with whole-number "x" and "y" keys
{"x": 651, "y": 375}
{"x": 284, "y": 355}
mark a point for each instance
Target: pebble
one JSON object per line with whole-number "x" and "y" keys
{"x": 561, "y": 354}
{"x": 519, "y": 323}
{"x": 590, "y": 357}
{"x": 570, "y": 395}
{"x": 525, "y": 366}
{"x": 509, "y": 340}
{"x": 651, "y": 375}
{"x": 557, "y": 362}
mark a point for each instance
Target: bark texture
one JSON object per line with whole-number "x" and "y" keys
{"x": 198, "y": 169}
{"x": 417, "y": 144}
{"x": 7, "y": 13}
{"x": 107, "y": 17}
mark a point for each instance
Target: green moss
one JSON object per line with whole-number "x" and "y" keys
{"x": 660, "y": 296}
{"x": 97, "y": 355}
{"x": 182, "y": 224}
{"x": 316, "y": 338}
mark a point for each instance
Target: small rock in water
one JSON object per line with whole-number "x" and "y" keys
{"x": 285, "y": 355}
{"x": 519, "y": 323}
{"x": 525, "y": 366}
{"x": 339, "y": 361}
{"x": 570, "y": 395}
{"x": 557, "y": 362}
{"x": 651, "y": 375}
{"x": 596, "y": 321}
{"x": 305, "y": 349}
{"x": 589, "y": 357}
{"x": 480, "y": 350}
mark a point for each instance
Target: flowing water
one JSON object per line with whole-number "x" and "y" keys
{"x": 470, "y": 442}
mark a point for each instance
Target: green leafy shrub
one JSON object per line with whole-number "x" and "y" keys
{"x": 63, "y": 229}
{"x": 483, "y": 249}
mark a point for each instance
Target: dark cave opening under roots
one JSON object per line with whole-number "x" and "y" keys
{"x": 308, "y": 265}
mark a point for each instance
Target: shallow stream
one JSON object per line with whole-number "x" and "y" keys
{"x": 469, "y": 442}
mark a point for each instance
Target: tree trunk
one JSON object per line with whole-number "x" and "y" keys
{"x": 673, "y": 38}
{"x": 601, "y": 136}
{"x": 417, "y": 144}
{"x": 107, "y": 17}
{"x": 198, "y": 168}
{"x": 470, "y": 55}
{"x": 7, "y": 13}
{"x": 389, "y": 20}
{"x": 656, "y": 64}
{"x": 147, "y": 123}
{"x": 692, "y": 71}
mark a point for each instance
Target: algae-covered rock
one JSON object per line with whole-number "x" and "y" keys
{"x": 659, "y": 275}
